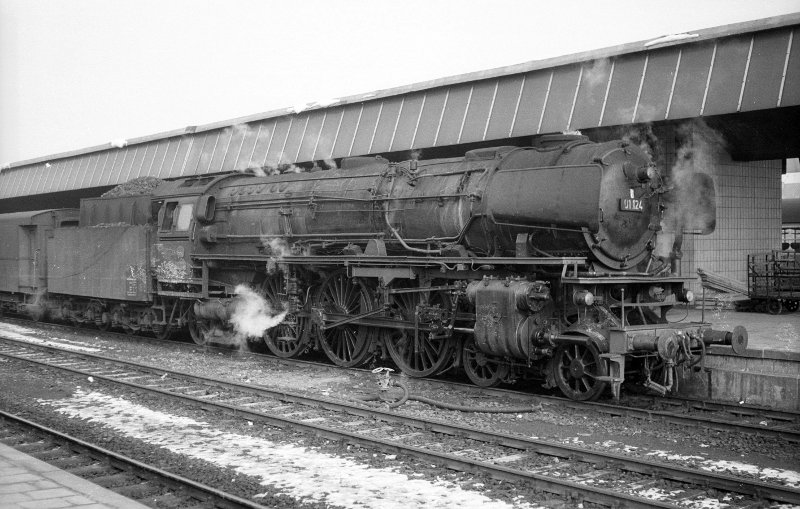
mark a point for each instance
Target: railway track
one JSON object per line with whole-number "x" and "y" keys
{"x": 126, "y": 476}
{"x": 719, "y": 416}
{"x": 600, "y": 477}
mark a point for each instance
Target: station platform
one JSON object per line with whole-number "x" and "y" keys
{"x": 767, "y": 374}
{"x": 29, "y": 483}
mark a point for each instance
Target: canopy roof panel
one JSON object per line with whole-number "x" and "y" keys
{"x": 747, "y": 67}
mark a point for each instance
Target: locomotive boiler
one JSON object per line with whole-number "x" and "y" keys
{"x": 558, "y": 261}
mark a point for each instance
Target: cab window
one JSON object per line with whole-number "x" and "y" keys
{"x": 183, "y": 218}
{"x": 177, "y": 217}
{"x": 169, "y": 212}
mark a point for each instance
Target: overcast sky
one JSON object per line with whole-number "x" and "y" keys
{"x": 78, "y": 73}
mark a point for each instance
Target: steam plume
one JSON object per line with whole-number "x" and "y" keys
{"x": 643, "y": 137}
{"x": 282, "y": 168}
{"x": 252, "y": 314}
{"x": 597, "y": 74}
{"x": 691, "y": 203}
{"x": 277, "y": 249}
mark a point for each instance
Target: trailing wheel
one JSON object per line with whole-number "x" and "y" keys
{"x": 482, "y": 369}
{"x": 576, "y": 368}
{"x": 289, "y": 338}
{"x": 791, "y": 305}
{"x": 163, "y": 332}
{"x": 346, "y": 345}
{"x": 415, "y": 356}
{"x": 199, "y": 328}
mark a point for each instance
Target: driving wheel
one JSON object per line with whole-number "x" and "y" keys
{"x": 416, "y": 357}
{"x": 346, "y": 345}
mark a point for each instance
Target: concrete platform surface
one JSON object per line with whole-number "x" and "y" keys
{"x": 772, "y": 333}
{"x": 29, "y": 483}
{"x": 767, "y": 374}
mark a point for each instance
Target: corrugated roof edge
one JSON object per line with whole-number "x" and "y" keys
{"x": 704, "y": 34}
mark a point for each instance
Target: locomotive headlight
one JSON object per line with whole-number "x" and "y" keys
{"x": 583, "y": 298}
{"x": 686, "y": 296}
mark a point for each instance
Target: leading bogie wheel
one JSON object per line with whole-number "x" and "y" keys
{"x": 347, "y": 345}
{"x": 791, "y": 305}
{"x": 576, "y": 369}
{"x": 482, "y": 369}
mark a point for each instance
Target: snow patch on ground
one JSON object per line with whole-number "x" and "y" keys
{"x": 773, "y": 475}
{"x": 22, "y": 334}
{"x": 302, "y": 473}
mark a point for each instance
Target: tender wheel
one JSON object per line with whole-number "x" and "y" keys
{"x": 123, "y": 318}
{"x": 426, "y": 356}
{"x": 791, "y": 305}
{"x": 289, "y": 338}
{"x": 102, "y": 319}
{"x": 347, "y": 345}
{"x": 482, "y": 369}
{"x": 68, "y": 315}
{"x": 199, "y": 328}
{"x": 576, "y": 368}
{"x": 774, "y": 307}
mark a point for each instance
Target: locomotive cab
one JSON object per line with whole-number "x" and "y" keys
{"x": 181, "y": 205}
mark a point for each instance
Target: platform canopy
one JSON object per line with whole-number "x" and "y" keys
{"x": 743, "y": 79}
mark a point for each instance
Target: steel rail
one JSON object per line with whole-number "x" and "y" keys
{"x": 714, "y": 423}
{"x": 546, "y": 483}
{"x": 700, "y": 421}
{"x": 641, "y": 466}
{"x": 196, "y": 489}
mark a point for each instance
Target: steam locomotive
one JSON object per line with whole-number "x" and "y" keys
{"x": 558, "y": 261}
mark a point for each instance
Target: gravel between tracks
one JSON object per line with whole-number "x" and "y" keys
{"x": 740, "y": 454}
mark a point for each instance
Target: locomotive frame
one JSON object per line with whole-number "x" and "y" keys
{"x": 507, "y": 263}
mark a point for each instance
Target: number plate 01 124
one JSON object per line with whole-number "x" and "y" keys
{"x": 631, "y": 204}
